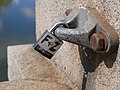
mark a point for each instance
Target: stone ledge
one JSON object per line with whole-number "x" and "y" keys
{"x": 26, "y": 63}
{"x": 31, "y": 85}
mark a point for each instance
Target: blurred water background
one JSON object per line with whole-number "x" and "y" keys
{"x": 17, "y": 26}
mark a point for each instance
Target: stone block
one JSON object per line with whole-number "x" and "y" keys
{"x": 26, "y": 63}
{"x": 31, "y": 85}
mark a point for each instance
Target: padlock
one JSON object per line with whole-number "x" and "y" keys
{"x": 48, "y": 44}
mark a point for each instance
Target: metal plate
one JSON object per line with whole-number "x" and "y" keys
{"x": 48, "y": 44}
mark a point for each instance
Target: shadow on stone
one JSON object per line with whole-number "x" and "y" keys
{"x": 91, "y": 60}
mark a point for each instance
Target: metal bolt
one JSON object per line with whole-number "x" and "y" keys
{"x": 98, "y": 42}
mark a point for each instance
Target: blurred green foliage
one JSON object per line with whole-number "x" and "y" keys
{"x": 5, "y": 3}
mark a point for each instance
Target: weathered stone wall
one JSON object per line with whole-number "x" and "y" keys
{"x": 101, "y": 71}
{"x": 72, "y": 67}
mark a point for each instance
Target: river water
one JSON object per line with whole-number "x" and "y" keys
{"x": 17, "y": 26}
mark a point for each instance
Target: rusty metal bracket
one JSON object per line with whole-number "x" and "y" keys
{"x": 83, "y": 26}
{"x": 88, "y": 28}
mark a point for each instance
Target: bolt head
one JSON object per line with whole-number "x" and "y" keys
{"x": 97, "y": 42}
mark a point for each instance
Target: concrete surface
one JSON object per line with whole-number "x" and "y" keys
{"x": 26, "y": 63}
{"x": 31, "y": 85}
{"x": 72, "y": 66}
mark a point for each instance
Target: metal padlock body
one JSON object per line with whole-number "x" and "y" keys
{"x": 47, "y": 44}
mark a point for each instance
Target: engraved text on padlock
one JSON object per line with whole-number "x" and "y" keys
{"x": 47, "y": 44}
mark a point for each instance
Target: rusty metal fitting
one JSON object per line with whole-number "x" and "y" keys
{"x": 98, "y": 42}
{"x": 82, "y": 26}
{"x": 88, "y": 28}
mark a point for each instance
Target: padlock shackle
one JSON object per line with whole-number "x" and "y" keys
{"x": 56, "y": 25}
